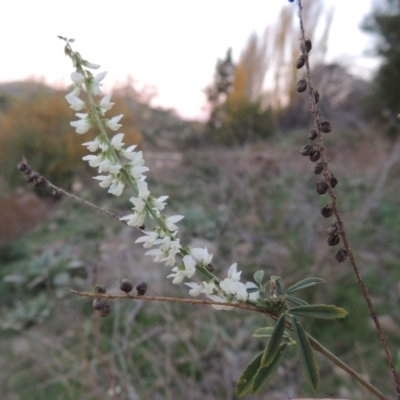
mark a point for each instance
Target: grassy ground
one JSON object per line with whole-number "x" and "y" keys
{"x": 256, "y": 206}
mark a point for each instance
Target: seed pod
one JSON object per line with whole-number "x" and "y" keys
{"x": 318, "y": 168}
{"x": 333, "y": 240}
{"x": 126, "y": 285}
{"x": 327, "y": 211}
{"x": 300, "y": 61}
{"x": 315, "y": 155}
{"x": 143, "y": 227}
{"x": 333, "y": 229}
{"x": 306, "y": 46}
{"x": 341, "y": 255}
{"x": 325, "y": 126}
{"x": 22, "y": 166}
{"x": 141, "y": 288}
{"x": 98, "y": 304}
{"x": 321, "y": 187}
{"x": 210, "y": 268}
{"x": 39, "y": 181}
{"x": 307, "y": 150}
{"x": 31, "y": 176}
{"x": 316, "y": 96}
{"x": 334, "y": 181}
{"x": 105, "y": 311}
{"x": 301, "y": 85}
{"x": 313, "y": 134}
{"x": 100, "y": 289}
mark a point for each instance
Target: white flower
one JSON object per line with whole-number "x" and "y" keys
{"x": 116, "y": 141}
{"x": 105, "y": 104}
{"x": 204, "y": 287}
{"x": 75, "y": 102}
{"x": 149, "y": 240}
{"x": 241, "y": 291}
{"x": 168, "y": 250}
{"x": 90, "y": 65}
{"x": 235, "y": 276}
{"x": 159, "y": 203}
{"x": 77, "y": 78}
{"x": 94, "y": 161}
{"x": 136, "y": 219}
{"x": 254, "y": 295}
{"x": 96, "y": 82}
{"x": 137, "y": 171}
{"x": 82, "y": 125}
{"x": 128, "y": 153}
{"x": 117, "y": 187}
{"x": 219, "y": 299}
{"x": 105, "y": 181}
{"x": 93, "y": 145}
{"x": 180, "y": 273}
{"x": 201, "y": 255}
{"x": 113, "y": 122}
{"x": 170, "y": 222}
{"x": 143, "y": 191}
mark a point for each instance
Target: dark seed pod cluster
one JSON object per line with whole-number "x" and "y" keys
{"x": 333, "y": 240}
{"x": 30, "y": 176}
{"x": 100, "y": 289}
{"x": 333, "y": 229}
{"x": 316, "y": 96}
{"x": 318, "y": 168}
{"x": 306, "y": 46}
{"x": 315, "y": 155}
{"x": 126, "y": 285}
{"x": 327, "y": 211}
{"x": 301, "y": 61}
{"x": 341, "y": 255}
{"x": 313, "y": 134}
{"x": 105, "y": 311}
{"x": 141, "y": 288}
{"x": 321, "y": 187}
{"x": 301, "y": 85}
{"x": 210, "y": 268}
{"x": 325, "y": 126}
{"x": 334, "y": 181}
{"x": 307, "y": 150}
{"x": 100, "y": 304}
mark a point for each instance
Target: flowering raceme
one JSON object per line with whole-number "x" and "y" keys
{"x": 120, "y": 167}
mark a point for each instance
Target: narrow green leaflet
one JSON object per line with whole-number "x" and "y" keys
{"x": 245, "y": 381}
{"x": 304, "y": 284}
{"x": 297, "y": 301}
{"x": 265, "y": 374}
{"x": 306, "y": 354}
{"x": 258, "y": 276}
{"x": 321, "y": 311}
{"x": 274, "y": 342}
{"x": 267, "y": 332}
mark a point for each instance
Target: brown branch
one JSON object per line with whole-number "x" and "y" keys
{"x": 314, "y": 111}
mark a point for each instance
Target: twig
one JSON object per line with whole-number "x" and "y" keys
{"x": 342, "y": 232}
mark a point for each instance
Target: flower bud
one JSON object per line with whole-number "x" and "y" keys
{"x": 301, "y": 61}
{"x": 313, "y": 134}
{"x": 325, "y": 126}
{"x": 341, "y": 255}
{"x": 315, "y": 155}
{"x": 307, "y": 150}
{"x": 141, "y": 288}
{"x": 333, "y": 229}
{"x": 126, "y": 285}
{"x": 105, "y": 311}
{"x": 98, "y": 304}
{"x": 334, "y": 181}
{"x": 301, "y": 85}
{"x": 327, "y": 211}
{"x": 333, "y": 240}
{"x": 318, "y": 168}
{"x": 100, "y": 289}
{"x": 321, "y": 187}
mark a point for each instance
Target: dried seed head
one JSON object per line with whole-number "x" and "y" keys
{"x": 321, "y": 187}
{"x": 315, "y": 155}
{"x": 307, "y": 150}
{"x": 105, "y": 311}
{"x": 301, "y": 61}
{"x": 30, "y": 177}
{"x": 141, "y": 288}
{"x": 22, "y": 165}
{"x": 98, "y": 304}
{"x": 306, "y": 46}
{"x": 341, "y": 255}
{"x": 334, "y": 181}
{"x": 333, "y": 240}
{"x": 316, "y": 96}
{"x": 325, "y": 126}
{"x": 210, "y": 268}
{"x": 126, "y": 285}
{"x": 39, "y": 181}
{"x": 333, "y": 229}
{"x": 313, "y": 134}
{"x": 100, "y": 289}
{"x": 301, "y": 85}
{"x": 318, "y": 168}
{"x": 327, "y": 211}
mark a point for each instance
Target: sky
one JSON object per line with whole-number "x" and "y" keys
{"x": 171, "y": 45}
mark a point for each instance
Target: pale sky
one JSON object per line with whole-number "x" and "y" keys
{"x": 171, "y": 44}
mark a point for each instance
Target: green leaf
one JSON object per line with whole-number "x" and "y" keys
{"x": 297, "y": 301}
{"x": 267, "y": 332}
{"x": 258, "y": 276}
{"x": 308, "y": 361}
{"x": 321, "y": 311}
{"x": 265, "y": 374}
{"x": 252, "y": 290}
{"x": 272, "y": 348}
{"x": 245, "y": 381}
{"x": 304, "y": 284}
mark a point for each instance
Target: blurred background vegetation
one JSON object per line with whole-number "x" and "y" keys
{"x": 246, "y": 194}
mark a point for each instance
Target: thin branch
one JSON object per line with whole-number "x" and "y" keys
{"x": 342, "y": 232}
